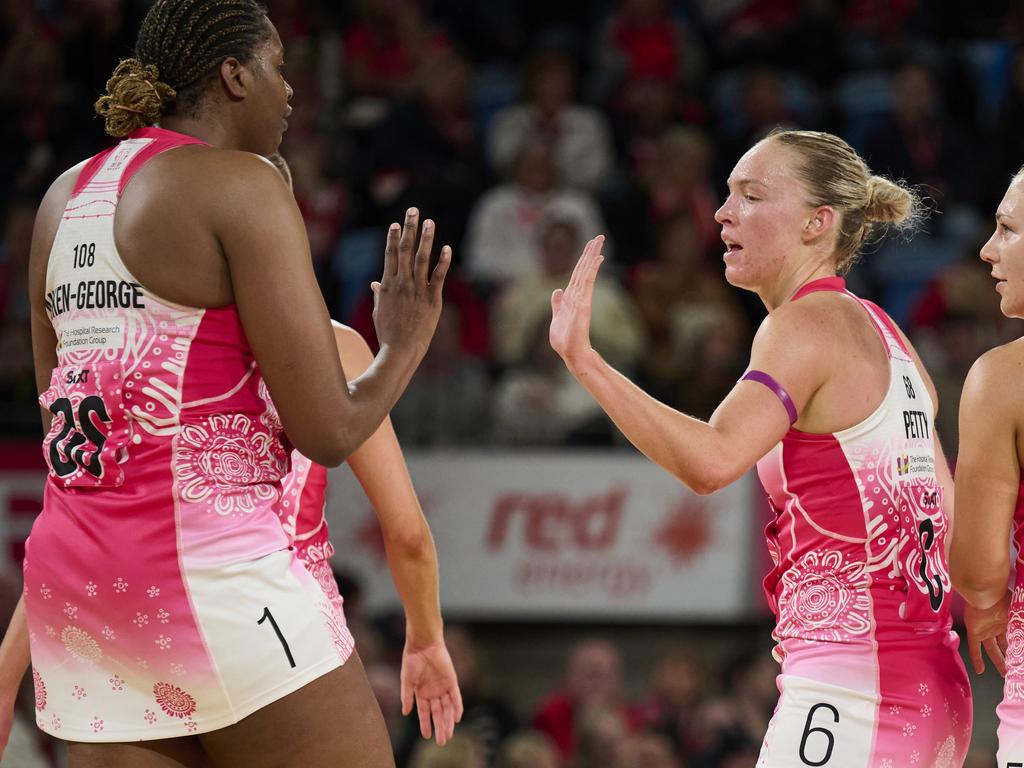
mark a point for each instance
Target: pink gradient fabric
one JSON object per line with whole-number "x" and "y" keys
{"x": 860, "y": 587}
{"x": 161, "y": 594}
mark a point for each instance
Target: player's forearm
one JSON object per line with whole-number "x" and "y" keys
{"x": 375, "y": 392}
{"x": 14, "y": 652}
{"x": 691, "y": 449}
{"x": 412, "y": 559}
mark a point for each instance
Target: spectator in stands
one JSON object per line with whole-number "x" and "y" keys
{"x": 645, "y": 750}
{"x": 675, "y": 692}
{"x": 535, "y": 403}
{"x": 678, "y": 182}
{"x": 579, "y": 135}
{"x": 503, "y": 240}
{"x": 427, "y": 151}
{"x": 461, "y": 752}
{"x": 919, "y": 143}
{"x": 386, "y": 49}
{"x": 733, "y": 726}
{"x": 617, "y": 330}
{"x": 676, "y": 291}
{"x": 592, "y": 683}
{"x": 527, "y": 749}
{"x": 600, "y": 734}
{"x": 642, "y": 41}
{"x": 446, "y": 402}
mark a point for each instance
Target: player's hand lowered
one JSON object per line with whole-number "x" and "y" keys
{"x": 428, "y": 677}
{"x": 987, "y": 629}
{"x": 571, "y": 307}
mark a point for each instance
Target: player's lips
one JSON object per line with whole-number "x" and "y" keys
{"x": 732, "y": 247}
{"x": 1000, "y": 282}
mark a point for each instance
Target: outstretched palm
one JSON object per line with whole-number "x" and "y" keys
{"x": 570, "y": 308}
{"x": 428, "y": 676}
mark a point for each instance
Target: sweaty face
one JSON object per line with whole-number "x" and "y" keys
{"x": 763, "y": 216}
{"x": 269, "y": 97}
{"x": 1004, "y": 251}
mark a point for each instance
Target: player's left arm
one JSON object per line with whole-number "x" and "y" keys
{"x": 427, "y": 673}
{"x": 987, "y": 478}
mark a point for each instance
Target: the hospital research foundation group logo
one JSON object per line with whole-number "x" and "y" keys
{"x": 596, "y": 544}
{"x": 903, "y": 465}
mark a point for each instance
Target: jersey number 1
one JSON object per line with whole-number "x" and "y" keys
{"x": 284, "y": 643}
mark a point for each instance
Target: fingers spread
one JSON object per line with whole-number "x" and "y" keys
{"x": 423, "y": 710}
{"x": 977, "y": 662}
{"x": 457, "y": 696}
{"x": 441, "y": 270}
{"x": 391, "y": 251}
{"x": 438, "y": 716}
{"x": 407, "y": 243}
{"x": 406, "y": 698}
{"x": 422, "y": 263}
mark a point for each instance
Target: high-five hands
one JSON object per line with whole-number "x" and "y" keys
{"x": 571, "y": 307}
{"x": 407, "y": 299}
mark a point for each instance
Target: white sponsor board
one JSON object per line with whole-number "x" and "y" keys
{"x": 563, "y": 536}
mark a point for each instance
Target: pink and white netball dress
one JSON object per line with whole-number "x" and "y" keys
{"x": 871, "y": 676}
{"x": 161, "y": 594}
{"x": 304, "y": 494}
{"x": 1011, "y": 708}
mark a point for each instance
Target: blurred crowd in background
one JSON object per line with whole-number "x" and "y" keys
{"x": 525, "y": 127}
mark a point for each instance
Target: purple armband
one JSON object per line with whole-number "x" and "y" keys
{"x": 763, "y": 378}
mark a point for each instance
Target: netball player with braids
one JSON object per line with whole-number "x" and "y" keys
{"x": 173, "y": 295}
{"x": 990, "y": 488}
{"x": 838, "y": 416}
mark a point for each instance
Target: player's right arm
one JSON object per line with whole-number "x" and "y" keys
{"x": 261, "y": 233}
{"x": 987, "y": 484}
{"x": 750, "y": 421}
{"x": 427, "y": 672}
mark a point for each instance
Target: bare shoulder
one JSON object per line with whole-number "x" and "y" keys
{"x": 350, "y": 343}
{"x": 48, "y": 217}
{"x": 353, "y": 350}
{"x": 218, "y": 176}
{"x": 798, "y": 326}
{"x": 994, "y": 379}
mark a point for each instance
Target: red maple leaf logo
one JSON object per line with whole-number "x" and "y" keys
{"x": 685, "y": 531}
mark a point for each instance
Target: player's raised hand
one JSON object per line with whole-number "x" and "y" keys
{"x": 407, "y": 299}
{"x": 571, "y": 307}
{"x": 428, "y": 680}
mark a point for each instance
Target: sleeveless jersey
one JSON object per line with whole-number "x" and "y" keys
{"x": 1011, "y": 708}
{"x": 302, "y": 518}
{"x": 161, "y": 596}
{"x": 860, "y": 586}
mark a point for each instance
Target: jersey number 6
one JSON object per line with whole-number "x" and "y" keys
{"x": 826, "y": 734}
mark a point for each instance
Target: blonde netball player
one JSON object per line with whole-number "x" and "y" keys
{"x": 989, "y": 492}
{"x": 838, "y": 416}
{"x": 169, "y": 622}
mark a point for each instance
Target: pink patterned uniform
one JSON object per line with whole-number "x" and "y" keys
{"x": 161, "y": 594}
{"x": 1011, "y": 708}
{"x": 871, "y": 676}
{"x": 302, "y": 517}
